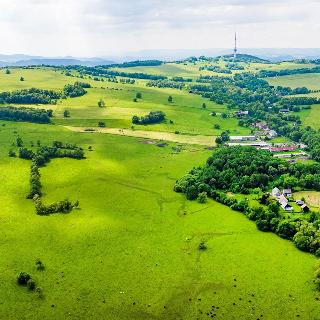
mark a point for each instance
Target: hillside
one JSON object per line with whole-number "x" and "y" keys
{"x": 91, "y": 158}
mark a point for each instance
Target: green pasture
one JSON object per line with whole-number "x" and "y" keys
{"x": 185, "y": 112}
{"x": 131, "y": 250}
{"x": 308, "y": 80}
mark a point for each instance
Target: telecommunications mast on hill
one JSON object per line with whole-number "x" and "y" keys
{"x": 235, "y": 47}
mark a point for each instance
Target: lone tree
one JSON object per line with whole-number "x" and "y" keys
{"x": 139, "y": 95}
{"x": 101, "y": 103}
{"x": 66, "y": 113}
{"x": 170, "y": 99}
{"x": 204, "y": 106}
{"x": 21, "y": 78}
{"x": 8, "y": 71}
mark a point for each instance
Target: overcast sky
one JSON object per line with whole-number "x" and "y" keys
{"x": 104, "y": 27}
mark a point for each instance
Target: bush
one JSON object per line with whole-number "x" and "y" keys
{"x": 101, "y": 124}
{"x": 202, "y": 245}
{"x": 12, "y": 153}
{"x": 23, "y": 278}
{"x": 202, "y": 197}
{"x": 101, "y": 103}
{"x": 317, "y": 278}
{"x": 31, "y": 284}
{"x": 39, "y": 265}
{"x": 66, "y": 114}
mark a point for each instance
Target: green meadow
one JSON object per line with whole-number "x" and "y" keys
{"x": 130, "y": 251}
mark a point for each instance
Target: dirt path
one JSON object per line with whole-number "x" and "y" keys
{"x": 157, "y": 135}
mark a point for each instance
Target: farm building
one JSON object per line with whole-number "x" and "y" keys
{"x": 284, "y": 203}
{"x": 242, "y": 138}
{"x": 261, "y": 126}
{"x": 275, "y": 192}
{"x": 305, "y": 208}
{"x": 287, "y": 192}
{"x": 272, "y": 134}
{"x": 282, "y": 149}
{"x": 300, "y": 202}
{"x": 284, "y": 110}
{"x": 242, "y": 113}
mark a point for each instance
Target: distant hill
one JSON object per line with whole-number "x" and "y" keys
{"x": 243, "y": 58}
{"x": 25, "y": 60}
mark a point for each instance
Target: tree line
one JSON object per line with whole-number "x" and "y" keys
{"x": 102, "y": 71}
{"x": 30, "y": 96}
{"x": 165, "y": 84}
{"x": 286, "y": 72}
{"x": 25, "y": 114}
{"x": 40, "y": 158}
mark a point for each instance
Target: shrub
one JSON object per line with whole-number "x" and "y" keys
{"x": 101, "y": 124}
{"x": 66, "y": 114}
{"x": 40, "y": 266}
{"x": 139, "y": 95}
{"x": 12, "y": 153}
{"x": 202, "y": 197}
{"x": 23, "y": 278}
{"x": 317, "y": 278}
{"x": 101, "y": 103}
{"x": 202, "y": 245}
{"x": 31, "y": 284}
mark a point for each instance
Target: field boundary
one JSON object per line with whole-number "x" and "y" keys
{"x": 156, "y": 135}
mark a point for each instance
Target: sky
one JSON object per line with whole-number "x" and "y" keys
{"x": 91, "y": 28}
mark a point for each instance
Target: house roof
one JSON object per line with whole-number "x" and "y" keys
{"x": 286, "y": 205}
{"x": 304, "y": 206}
{"x": 275, "y": 191}
{"x": 287, "y": 191}
{"x": 283, "y": 200}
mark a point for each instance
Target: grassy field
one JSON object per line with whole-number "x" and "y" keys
{"x": 185, "y": 109}
{"x": 130, "y": 251}
{"x": 312, "y": 198}
{"x": 310, "y": 81}
{"x": 311, "y": 117}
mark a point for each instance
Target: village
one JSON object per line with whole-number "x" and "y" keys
{"x": 261, "y": 138}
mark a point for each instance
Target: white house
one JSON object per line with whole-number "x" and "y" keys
{"x": 284, "y": 203}
{"x": 275, "y": 192}
{"x": 242, "y": 138}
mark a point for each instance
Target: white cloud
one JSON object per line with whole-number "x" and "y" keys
{"x": 100, "y": 27}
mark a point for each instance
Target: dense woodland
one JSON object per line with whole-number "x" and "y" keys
{"x": 25, "y": 114}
